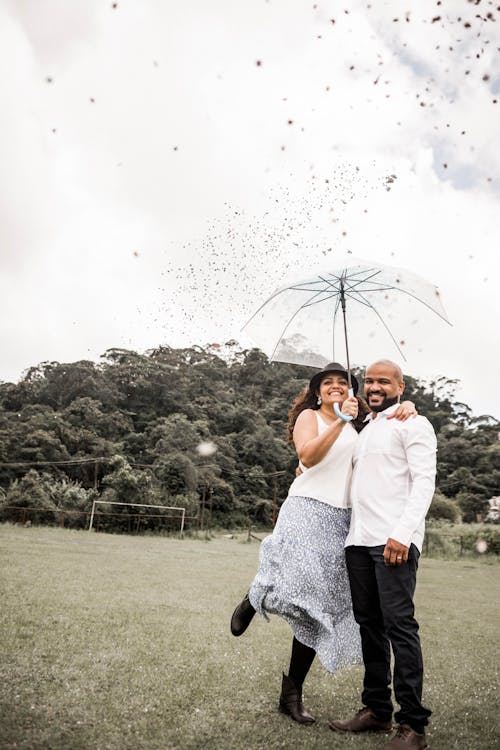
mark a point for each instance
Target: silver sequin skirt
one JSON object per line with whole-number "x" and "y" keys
{"x": 303, "y": 578}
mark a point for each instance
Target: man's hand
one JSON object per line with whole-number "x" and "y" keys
{"x": 395, "y": 553}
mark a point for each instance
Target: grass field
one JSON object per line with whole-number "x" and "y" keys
{"x": 121, "y": 642}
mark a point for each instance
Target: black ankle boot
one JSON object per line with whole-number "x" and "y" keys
{"x": 242, "y": 616}
{"x": 291, "y": 702}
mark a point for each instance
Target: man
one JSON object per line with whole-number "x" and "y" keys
{"x": 392, "y": 488}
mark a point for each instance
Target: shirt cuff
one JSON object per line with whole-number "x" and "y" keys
{"x": 402, "y": 534}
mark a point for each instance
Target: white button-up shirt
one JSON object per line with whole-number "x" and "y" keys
{"x": 393, "y": 480}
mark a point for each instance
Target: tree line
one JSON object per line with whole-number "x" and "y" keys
{"x": 199, "y": 428}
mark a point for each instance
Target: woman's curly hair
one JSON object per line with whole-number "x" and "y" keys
{"x": 307, "y": 399}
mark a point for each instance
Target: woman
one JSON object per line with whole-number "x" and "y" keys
{"x": 302, "y": 574}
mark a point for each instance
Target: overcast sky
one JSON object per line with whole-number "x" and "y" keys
{"x": 166, "y": 164}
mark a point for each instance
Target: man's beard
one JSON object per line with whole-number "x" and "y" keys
{"x": 384, "y": 405}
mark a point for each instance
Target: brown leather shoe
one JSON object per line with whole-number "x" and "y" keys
{"x": 291, "y": 702}
{"x": 407, "y": 739}
{"x": 242, "y": 616}
{"x": 364, "y": 721}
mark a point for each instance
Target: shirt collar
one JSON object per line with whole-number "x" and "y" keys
{"x": 390, "y": 410}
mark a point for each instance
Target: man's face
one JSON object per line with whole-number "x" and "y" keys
{"x": 382, "y": 387}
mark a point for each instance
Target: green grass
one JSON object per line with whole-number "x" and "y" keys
{"x": 118, "y": 642}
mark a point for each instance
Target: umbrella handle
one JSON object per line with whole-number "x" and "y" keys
{"x": 345, "y": 417}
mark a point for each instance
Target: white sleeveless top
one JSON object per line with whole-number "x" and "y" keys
{"x": 330, "y": 479}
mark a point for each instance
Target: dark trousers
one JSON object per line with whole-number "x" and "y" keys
{"x": 382, "y": 598}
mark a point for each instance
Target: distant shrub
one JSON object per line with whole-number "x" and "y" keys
{"x": 472, "y": 505}
{"x": 42, "y": 499}
{"x": 27, "y": 499}
{"x": 452, "y": 540}
{"x": 444, "y": 508}
{"x": 474, "y": 535}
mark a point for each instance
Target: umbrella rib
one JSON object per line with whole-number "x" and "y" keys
{"x": 422, "y": 302}
{"x": 280, "y": 291}
{"x": 312, "y": 301}
{"x": 348, "y": 279}
{"x": 376, "y": 289}
{"x": 337, "y": 305}
{"x": 355, "y": 296}
{"x": 403, "y": 291}
{"x": 334, "y": 280}
{"x": 386, "y": 328}
{"x": 306, "y": 304}
{"x": 381, "y": 288}
{"x": 306, "y": 287}
{"x": 376, "y": 272}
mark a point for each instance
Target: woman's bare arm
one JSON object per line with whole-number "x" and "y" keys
{"x": 312, "y": 447}
{"x": 405, "y": 410}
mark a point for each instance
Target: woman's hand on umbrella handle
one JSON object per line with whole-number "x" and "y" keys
{"x": 349, "y": 408}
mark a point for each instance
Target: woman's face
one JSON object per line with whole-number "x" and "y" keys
{"x": 333, "y": 389}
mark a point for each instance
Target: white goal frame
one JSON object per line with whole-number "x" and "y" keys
{"x": 137, "y": 505}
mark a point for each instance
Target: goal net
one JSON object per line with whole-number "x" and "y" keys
{"x": 139, "y": 517}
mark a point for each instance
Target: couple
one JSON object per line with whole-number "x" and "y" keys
{"x": 384, "y": 476}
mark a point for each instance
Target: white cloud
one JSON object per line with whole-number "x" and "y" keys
{"x": 162, "y": 211}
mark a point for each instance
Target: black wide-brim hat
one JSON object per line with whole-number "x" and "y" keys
{"x": 333, "y": 367}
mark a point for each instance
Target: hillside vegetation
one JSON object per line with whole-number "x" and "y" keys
{"x": 198, "y": 428}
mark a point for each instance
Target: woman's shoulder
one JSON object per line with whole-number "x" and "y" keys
{"x": 307, "y": 415}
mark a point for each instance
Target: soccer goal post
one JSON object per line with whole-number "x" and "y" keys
{"x": 137, "y": 505}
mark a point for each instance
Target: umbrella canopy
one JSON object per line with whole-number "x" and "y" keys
{"x": 303, "y": 322}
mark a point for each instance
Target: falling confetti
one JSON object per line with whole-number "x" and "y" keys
{"x": 213, "y": 275}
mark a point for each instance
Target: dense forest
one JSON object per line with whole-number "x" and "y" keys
{"x": 199, "y": 428}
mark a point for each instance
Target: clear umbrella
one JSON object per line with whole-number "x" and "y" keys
{"x": 302, "y": 322}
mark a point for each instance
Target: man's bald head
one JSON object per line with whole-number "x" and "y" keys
{"x": 388, "y": 363}
{"x": 383, "y": 385}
